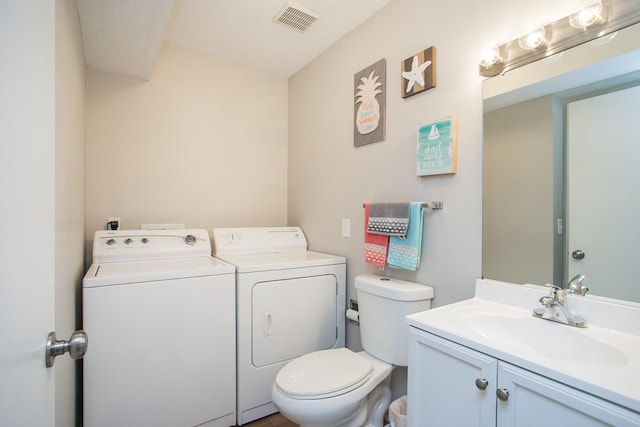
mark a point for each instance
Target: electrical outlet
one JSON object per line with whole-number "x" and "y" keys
{"x": 113, "y": 223}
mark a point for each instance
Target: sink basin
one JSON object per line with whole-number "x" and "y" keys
{"x": 552, "y": 340}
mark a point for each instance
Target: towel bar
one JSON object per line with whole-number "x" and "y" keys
{"x": 432, "y": 205}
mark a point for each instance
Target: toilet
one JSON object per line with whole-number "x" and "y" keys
{"x": 342, "y": 388}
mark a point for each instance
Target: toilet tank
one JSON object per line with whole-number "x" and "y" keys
{"x": 383, "y": 303}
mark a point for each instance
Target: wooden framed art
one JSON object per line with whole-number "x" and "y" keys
{"x": 369, "y": 104}
{"x": 418, "y": 72}
{"x": 437, "y": 147}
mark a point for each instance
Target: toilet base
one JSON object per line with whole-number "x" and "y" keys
{"x": 378, "y": 403}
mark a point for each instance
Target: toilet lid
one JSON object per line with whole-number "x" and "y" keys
{"x": 323, "y": 372}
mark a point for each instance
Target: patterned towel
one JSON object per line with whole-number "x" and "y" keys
{"x": 375, "y": 245}
{"x": 405, "y": 252}
{"x": 389, "y": 218}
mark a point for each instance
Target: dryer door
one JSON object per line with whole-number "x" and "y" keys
{"x": 293, "y": 317}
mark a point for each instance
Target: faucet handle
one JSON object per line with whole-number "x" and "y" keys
{"x": 546, "y": 301}
{"x": 553, "y": 290}
{"x": 576, "y": 285}
{"x": 557, "y": 294}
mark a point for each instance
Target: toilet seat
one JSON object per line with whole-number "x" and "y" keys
{"x": 323, "y": 374}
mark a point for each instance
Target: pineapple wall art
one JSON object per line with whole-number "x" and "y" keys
{"x": 369, "y": 104}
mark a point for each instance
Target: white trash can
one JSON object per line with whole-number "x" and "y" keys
{"x": 398, "y": 412}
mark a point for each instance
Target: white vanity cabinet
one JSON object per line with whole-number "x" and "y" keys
{"x": 452, "y": 385}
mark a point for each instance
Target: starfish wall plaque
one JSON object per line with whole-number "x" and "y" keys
{"x": 418, "y": 72}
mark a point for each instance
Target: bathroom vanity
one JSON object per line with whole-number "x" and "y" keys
{"x": 487, "y": 361}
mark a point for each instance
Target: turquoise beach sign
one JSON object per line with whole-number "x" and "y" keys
{"x": 437, "y": 147}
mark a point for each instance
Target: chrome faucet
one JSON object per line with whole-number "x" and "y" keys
{"x": 555, "y": 309}
{"x": 575, "y": 285}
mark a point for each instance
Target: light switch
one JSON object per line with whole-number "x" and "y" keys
{"x": 346, "y": 227}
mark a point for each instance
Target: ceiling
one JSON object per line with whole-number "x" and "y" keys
{"x": 125, "y": 36}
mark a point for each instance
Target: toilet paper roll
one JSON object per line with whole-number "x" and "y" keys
{"x": 353, "y": 315}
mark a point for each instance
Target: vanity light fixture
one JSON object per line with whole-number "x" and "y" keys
{"x": 596, "y": 19}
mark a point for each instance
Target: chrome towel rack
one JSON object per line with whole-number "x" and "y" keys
{"x": 431, "y": 205}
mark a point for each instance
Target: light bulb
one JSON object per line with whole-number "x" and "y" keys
{"x": 533, "y": 40}
{"x": 587, "y": 16}
{"x": 490, "y": 57}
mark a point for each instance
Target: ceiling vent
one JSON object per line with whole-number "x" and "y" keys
{"x": 295, "y": 17}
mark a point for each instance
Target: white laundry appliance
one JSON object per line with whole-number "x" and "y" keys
{"x": 159, "y": 311}
{"x": 290, "y": 301}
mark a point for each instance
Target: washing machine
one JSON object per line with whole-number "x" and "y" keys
{"x": 290, "y": 301}
{"x": 159, "y": 311}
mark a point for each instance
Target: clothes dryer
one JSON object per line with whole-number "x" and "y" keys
{"x": 290, "y": 302}
{"x": 160, "y": 313}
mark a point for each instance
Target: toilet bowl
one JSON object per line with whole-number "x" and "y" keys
{"x": 340, "y": 400}
{"x": 342, "y": 388}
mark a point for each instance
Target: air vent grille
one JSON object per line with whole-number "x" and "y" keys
{"x": 295, "y": 17}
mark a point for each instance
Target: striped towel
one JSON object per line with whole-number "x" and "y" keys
{"x": 388, "y": 218}
{"x": 405, "y": 252}
{"x": 375, "y": 245}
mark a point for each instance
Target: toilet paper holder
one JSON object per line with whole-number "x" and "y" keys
{"x": 352, "y": 313}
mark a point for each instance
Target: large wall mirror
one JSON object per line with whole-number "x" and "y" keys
{"x": 561, "y": 169}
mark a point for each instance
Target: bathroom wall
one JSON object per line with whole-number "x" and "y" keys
{"x": 70, "y": 191}
{"x": 204, "y": 143}
{"x": 329, "y": 179}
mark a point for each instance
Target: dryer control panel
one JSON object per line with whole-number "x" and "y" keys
{"x": 253, "y": 240}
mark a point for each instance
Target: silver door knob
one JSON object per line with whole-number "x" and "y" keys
{"x": 577, "y": 254}
{"x": 482, "y": 383}
{"x": 503, "y": 394}
{"x": 76, "y": 347}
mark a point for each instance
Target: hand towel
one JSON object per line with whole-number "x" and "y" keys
{"x": 375, "y": 245}
{"x": 405, "y": 252}
{"x": 389, "y": 218}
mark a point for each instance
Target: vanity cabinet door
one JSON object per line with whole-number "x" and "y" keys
{"x": 449, "y": 384}
{"x": 534, "y": 400}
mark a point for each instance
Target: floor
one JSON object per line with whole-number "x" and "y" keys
{"x": 275, "y": 420}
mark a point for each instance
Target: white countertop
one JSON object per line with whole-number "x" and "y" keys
{"x": 498, "y": 322}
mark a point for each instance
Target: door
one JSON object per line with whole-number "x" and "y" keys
{"x": 27, "y": 247}
{"x": 602, "y": 221}
{"x": 531, "y": 400}
{"x": 449, "y": 384}
{"x": 292, "y": 317}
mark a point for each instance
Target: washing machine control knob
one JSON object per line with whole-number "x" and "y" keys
{"x": 190, "y": 239}
{"x": 111, "y": 242}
